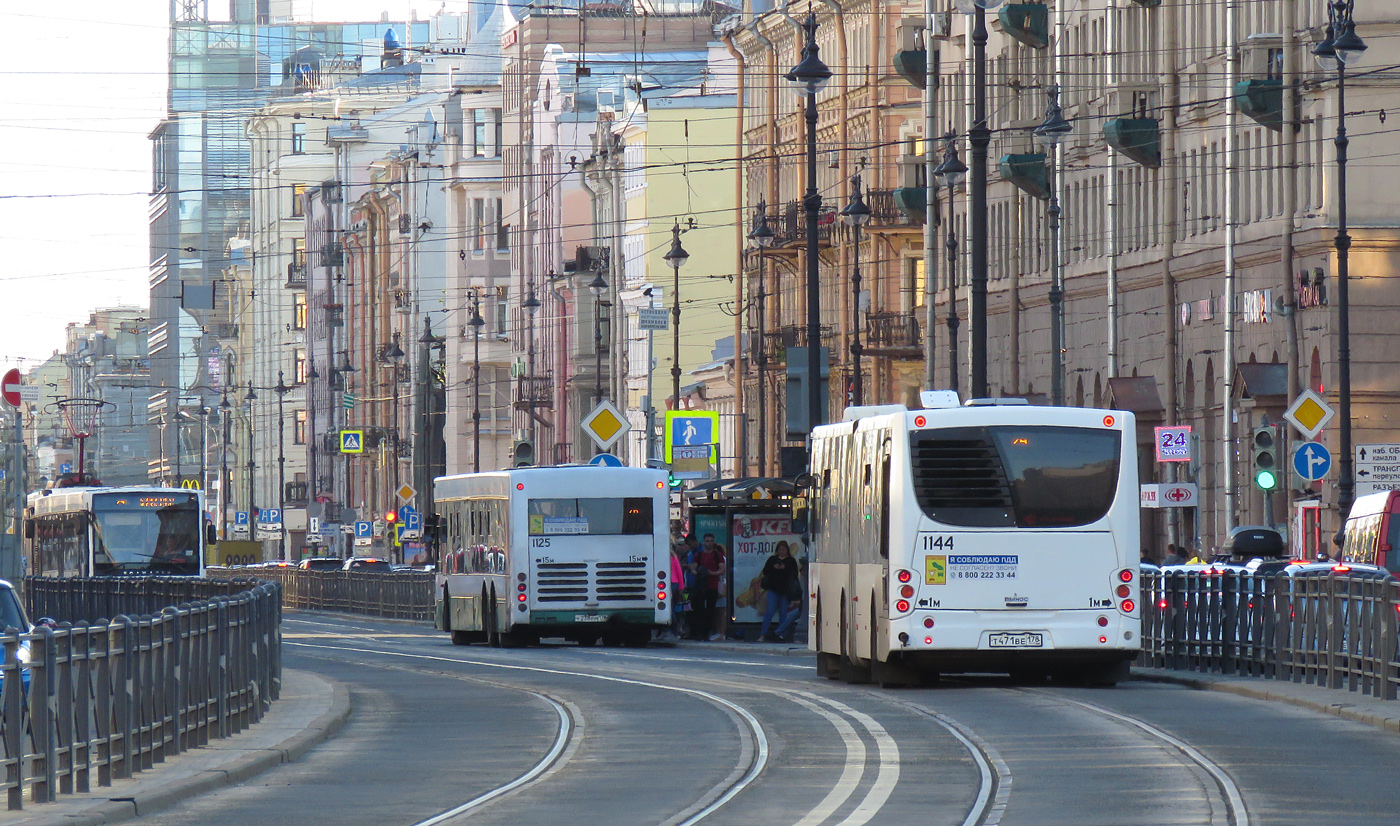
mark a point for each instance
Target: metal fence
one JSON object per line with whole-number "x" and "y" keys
{"x": 1329, "y": 629}
{"x": 86, "y": 599}
{"x": 398, "y": 595}
{"x": 114, "y": 697}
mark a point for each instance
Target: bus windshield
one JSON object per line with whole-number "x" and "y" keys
{"x": 590, "y": 517}
{"x": 141, "y": 532}
{"x": 1031, "y": 476}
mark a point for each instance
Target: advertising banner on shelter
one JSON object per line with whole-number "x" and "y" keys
{"x": 755, "y": 538}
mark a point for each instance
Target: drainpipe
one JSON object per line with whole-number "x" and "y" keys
{"x": 1290, "y": 209}
{"x": 770, "y": 197}
{"x": 1227, "y": 408}
{"x": 1170, "y": 205}
{"x": 741, "y": 462}
{"x": 931, "y": 219}
{"x": 842, "y": 72}
{"x": 1111, "y": 192}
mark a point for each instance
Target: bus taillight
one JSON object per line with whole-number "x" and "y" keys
{"x": 906, "y": 591}
{"x": 521, "y": 597}
{"x": 1125, "y": 575}
{"x": 928, "y": 621}
{"x": 901, "y": 605}
{"x": 1123, "y": 591}
{"x": 905, "y": 576}
{"x": 1127, "y": 606}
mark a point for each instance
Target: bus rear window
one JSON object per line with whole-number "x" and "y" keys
{"x": 590, "y": 517}
{"x": 1033, "y": 476}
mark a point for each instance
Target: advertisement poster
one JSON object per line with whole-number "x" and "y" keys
{"x": 755, "y": 537}
{"x": 715, "y": 523}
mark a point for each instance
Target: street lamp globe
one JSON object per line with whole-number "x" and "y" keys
{"x": 951, "y": 172}
{"x": 1054, "y": 129}
{"x": 810, "y": 74}
{"x": 598, "y": 286}
{"x": 761, "y": 234}
{"x": 476, "y": 321}
{"x": 1349, "y": 46}
{"x": 856, "y": 213}
{"x": 531, "y": 304}
{"x": 676, "y": 256}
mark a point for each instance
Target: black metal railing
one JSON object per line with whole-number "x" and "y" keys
{"x": 778, "y": 341}
{"x": 896, "y": 329}
{"x": 397, "y": 595}
{"x": 296, "y": 275}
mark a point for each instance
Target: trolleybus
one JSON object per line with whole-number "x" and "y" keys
{"x": 991, "y": 537}
{"x": 107, "y": 531}
{"x": 580, "y": 552}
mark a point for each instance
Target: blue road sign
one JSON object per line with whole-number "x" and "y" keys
{"x": 364, "y": 530}
{"x": 605, "y": 460}
{"x": 413, "y": 521}
{"x": 270, "y": 516}
{"x": 1312, "y": 461}
{"x": 692, "y": 430}
{"x": 240, "y": 518}
{"x": 65, "y": 468}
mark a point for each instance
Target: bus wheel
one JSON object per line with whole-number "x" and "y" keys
{"x": 848, "y": 671}
{"x": 490, "y": 620}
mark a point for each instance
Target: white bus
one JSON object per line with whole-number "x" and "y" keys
{"x": 110, "y": 531}
{"x": 992, "y": 537}
{"x": 580, "y": 552}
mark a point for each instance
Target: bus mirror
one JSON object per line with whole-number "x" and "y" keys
{"x": 28, "y": 529}
{"x": 211, "y": 534}
{"x": 799, "y": 514}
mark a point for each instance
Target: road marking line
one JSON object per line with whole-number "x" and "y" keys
{"x": 759, "y": 750}
{"x": 992, "y": 771}
{"x": 851, "y": 774}
{"x": 888, "y": 774}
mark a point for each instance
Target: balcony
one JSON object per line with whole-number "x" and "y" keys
{"x": 791, "y": 226}
{"x": 296, "y": 275}
{"x": 779, "y": 340}
{"x": 912, "y": 65}
{"x": 1262, "y": 101}
{"x": 1027, "y": 173}
{"x": 896, "y": 334}
{"x": 903, "y": 207}
{"x": 1138, "y": 138}
{"x": 1027, "y": 22}
{"x": 534, "y": 392}
{"x": 294, "y": 495}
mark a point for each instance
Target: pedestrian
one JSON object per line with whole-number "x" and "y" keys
{"x": 1145, "y": 558}
{"x": 1174, "y": 556}
{"x": 709, "y": 585}
{"x": 678, "y": 595}
{"x": 784, "y": 593}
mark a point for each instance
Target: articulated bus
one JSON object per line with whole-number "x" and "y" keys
{"x": 115, "y": 531}
{"x": 580, "y": 552}
{"x": 992, "y": 537}
{"x": 1372, "y": 534}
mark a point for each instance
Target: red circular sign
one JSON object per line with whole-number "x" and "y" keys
{"x": 9, "y": 387}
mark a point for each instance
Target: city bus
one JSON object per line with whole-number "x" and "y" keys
{"x": 580, "y": 552}
{"x": 991, "y": 537}
{"x": 115, "y": 531}
{"x": 1372, "y": 534}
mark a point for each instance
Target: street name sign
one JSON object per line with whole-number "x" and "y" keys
{"x": 1311, "y": 461}
{"x": 652, "y": 318}
{"x": 1308, "y": 414}
{"x": 1377, "y": 468}
{"x": 691, "y": 462}
{"x": 605, "y": 425}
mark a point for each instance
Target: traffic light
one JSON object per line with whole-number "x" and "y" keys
{"x": 523, "y": 454}
{"x": 390, "y": 517}
{"x": 672, "y": 482}
{"x": 1265, "y": 444}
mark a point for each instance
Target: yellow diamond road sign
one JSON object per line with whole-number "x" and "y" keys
{"x": 605, "y": 425}
{"x": 407, "y": 492}
{"x": 1309, "y": 413}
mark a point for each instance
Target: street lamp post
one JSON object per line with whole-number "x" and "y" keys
{"x": 476, "y": 322}
{"x": 676, "y": 256}
{"x": 1051, "y": 133}
{"x": 598, "y": 286}
{"x": 808, "y": 77}
{"x": 250, "y": 398}
{"x": 762, "y": 237}
{"x": 281, "y": 390}
{"x": 1340, "y": 48}
{"x": 531, "y": 305}
{"x": 856, "y": 214}
{"x": 950, "y": 173}
{"x": 224, "y": 413}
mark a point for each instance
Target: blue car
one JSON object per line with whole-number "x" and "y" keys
{"x": 12, "y": 616}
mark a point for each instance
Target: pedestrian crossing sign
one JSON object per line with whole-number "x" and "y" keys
{"x": 690, "y": 428}
{"x": 352, "y": 441}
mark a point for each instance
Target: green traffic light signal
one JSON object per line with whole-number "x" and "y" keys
{"x": 672, "y": 481}
{"x": 1266, "y": 479}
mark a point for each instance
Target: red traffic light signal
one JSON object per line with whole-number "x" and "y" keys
{"x": 391, "y": 517}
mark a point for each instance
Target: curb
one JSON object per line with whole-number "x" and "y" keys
{"x": 232, "y": 773}
{"x": 1357, "y": 710}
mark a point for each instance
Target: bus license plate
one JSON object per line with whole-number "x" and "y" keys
{"x": 1016, "y": 639}
{"x": 590, "y": 618}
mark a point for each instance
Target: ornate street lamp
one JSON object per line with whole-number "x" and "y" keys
{"x": 807, "y": 78}
{"x": 598, "y": 286}
{"x": 676, "y": 256}
{"x": 531, "y": 306}
{"x": 1050, "y": 134}
{"x": 281, "y": 390}
{"x": 476, "y": 322}
{"x": 949, "y": 174}
{"x": 856, "y": 215}
{"x": 762, "y": 237}
{"x": 1339, "y": 49}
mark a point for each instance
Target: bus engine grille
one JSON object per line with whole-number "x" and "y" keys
{"x": 574, "y": 582}
{"x": 958, "y": 469}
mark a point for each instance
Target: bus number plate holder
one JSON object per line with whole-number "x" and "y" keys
{"x": 590, "y": 618}
{"x": 1016, "y": 639}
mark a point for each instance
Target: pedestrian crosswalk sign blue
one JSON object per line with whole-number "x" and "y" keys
{"x": 686, "y": 428}
{"x": 352, "y": 441}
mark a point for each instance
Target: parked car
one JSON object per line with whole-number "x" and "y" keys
{"x": 368, "y": 565}
{"x": 321, "y": 563}
{"x": 12, "y": 616}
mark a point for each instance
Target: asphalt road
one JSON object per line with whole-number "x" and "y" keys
{"x": 614, "y": 737}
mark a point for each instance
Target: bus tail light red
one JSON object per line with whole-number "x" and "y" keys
{"x": 901, "y": 605}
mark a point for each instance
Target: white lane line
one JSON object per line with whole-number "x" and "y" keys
{"x": 560, "y": 741}
{"x": 994, "y": 775}
{"x": 758, "y": 759}
{"x": 1238, "y": 815}
{"x": 886, "y": 778}
{"x": 698, "y": 660}
{"x": 851, "y": 773}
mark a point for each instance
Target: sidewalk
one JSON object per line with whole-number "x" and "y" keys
{"x": 311, "y": 710}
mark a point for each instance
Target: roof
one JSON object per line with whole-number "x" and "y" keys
{"x": 1136, "y": 394}
{"x": 1262, "y": 379}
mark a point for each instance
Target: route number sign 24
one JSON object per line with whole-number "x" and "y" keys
{"x": 1173, "y": 443}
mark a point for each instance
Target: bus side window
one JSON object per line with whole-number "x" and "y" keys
{"x": 885, "y": 505}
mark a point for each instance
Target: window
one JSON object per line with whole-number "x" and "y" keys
{"x": 298, "y": 191}
{"x": 590, "y": 517}
{"x": 478, "y": 224}
{"x": 298, "y": 427}
{"x": 298, "y": 138}
{"x": 502, "y": 294}
{"x": 299, "y": 367}
{"x": 502, "y": 229}
{"x": 299, "y": 252}
{"x": 497, "y": 142}
{"x": 479, "y": 133}
{"x": 298, "y": 311}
